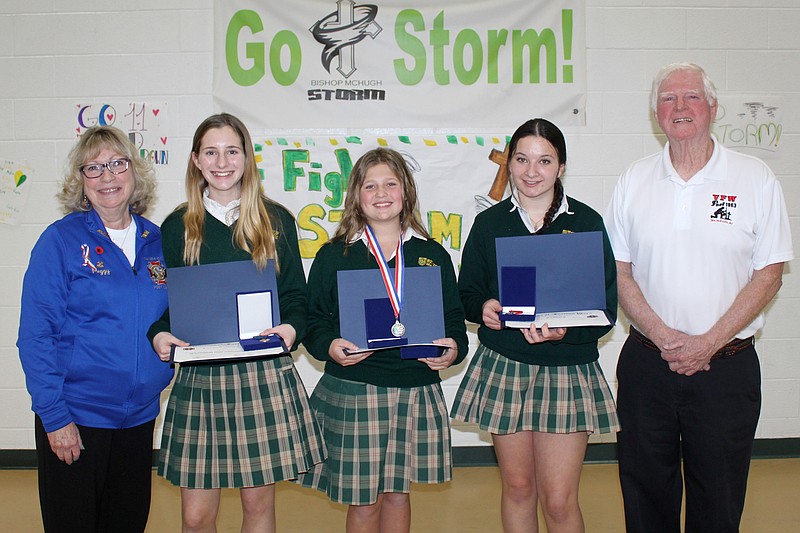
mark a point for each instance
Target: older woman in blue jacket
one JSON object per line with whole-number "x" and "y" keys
{"x": 95, "y": 283}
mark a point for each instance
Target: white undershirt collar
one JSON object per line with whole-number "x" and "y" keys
{"x": 410, "y": 232}
{"x": 526, "y": 219}
{"x": 227, "y": 214}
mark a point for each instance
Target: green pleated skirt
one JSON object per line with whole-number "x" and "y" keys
{"x": 379, "y": 439}
{"x": 243, "y": 424}
{"x": 505, "y": 396}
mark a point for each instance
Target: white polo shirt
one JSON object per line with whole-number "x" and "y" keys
{"x": 694, "y": 245}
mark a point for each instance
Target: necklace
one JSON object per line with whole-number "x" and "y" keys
{"x": 120, "y": 238}
{"x": 125, "y": 238}
{"x": 115, "y": 235}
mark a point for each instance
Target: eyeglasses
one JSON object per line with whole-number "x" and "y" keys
{"x": 95, "y": 170}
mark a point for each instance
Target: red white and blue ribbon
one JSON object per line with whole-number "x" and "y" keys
{"x": 394, "y": 290}
{"x": 86, "y": 260}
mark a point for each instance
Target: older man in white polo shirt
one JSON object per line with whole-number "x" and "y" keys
{"x": 700, "y": 234}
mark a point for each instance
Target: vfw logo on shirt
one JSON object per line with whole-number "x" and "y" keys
{"x": 723, "y": 208}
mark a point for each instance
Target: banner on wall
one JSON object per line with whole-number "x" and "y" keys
{"x": 457, "y": 176}
{"x": 452, "y": 65}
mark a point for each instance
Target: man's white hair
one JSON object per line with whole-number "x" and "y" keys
{"x": 708, "y": 85}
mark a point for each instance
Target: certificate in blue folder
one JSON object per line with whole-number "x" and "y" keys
{"x": 203, "y": 309}
{"x": 570, "y": 277}
{"x": 422, "y": 314}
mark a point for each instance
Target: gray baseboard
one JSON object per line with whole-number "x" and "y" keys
{"x": 484, "y": 455}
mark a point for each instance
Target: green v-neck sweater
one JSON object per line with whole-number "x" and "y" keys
{"x": 385, "y": 368}
{"x": 477, "y": 282}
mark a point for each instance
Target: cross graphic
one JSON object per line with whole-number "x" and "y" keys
{"x": 341, "y": 31}
{"x": 501, "y": 178}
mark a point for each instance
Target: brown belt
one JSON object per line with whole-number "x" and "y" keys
{"x": 729, "y": 350}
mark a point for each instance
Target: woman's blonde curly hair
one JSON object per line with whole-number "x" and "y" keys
{"x": 91, "y": 143}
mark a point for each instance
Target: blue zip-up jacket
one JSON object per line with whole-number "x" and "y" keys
{"x": 85, "y": 313}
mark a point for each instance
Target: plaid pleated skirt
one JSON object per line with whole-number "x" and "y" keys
{"x": 244, "y": 424}
{"x": 379, "y": 439}
{"x": 505, "y": 396}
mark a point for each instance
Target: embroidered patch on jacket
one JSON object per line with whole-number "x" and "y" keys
{"x": 424, "y": 261}
{"x": 722, "y": 208}
{"x": 157, "y": 271}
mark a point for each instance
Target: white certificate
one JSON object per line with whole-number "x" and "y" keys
{"x": 563, "y": 319}
{"x": 221, "y": 352}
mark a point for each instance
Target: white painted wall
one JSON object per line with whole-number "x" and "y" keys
{"x": 56, "y": 53}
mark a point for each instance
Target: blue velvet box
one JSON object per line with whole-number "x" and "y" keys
{"x": 379, "y": 318}
{"x": 518, "y": 293}
{"x": 254, "y": 315}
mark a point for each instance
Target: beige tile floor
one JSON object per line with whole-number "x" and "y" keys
{"x": 468, "y": 504}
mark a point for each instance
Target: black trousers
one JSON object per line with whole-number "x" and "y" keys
{"x": 709, "y": 419}
{"x": 106, "y": 490}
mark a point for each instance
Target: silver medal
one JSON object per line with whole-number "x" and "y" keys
{"x": 398, "y": 329}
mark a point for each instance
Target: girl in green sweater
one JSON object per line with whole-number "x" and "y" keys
{"x": 384, "y": 418}
{"x": 539, "y": 392}
{"x": 240, "y": 424}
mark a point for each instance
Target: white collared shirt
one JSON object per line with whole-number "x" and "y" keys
{"x": 526, "y": 219}
{"x": 693, "y": 245}
{"x": 227, "y": 214}
{"x": 362, "y": 236}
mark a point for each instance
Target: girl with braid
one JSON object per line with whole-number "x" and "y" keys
{"x": 539, "y": 392}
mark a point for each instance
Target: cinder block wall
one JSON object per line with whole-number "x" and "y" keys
{"x": 56, "y": 54}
